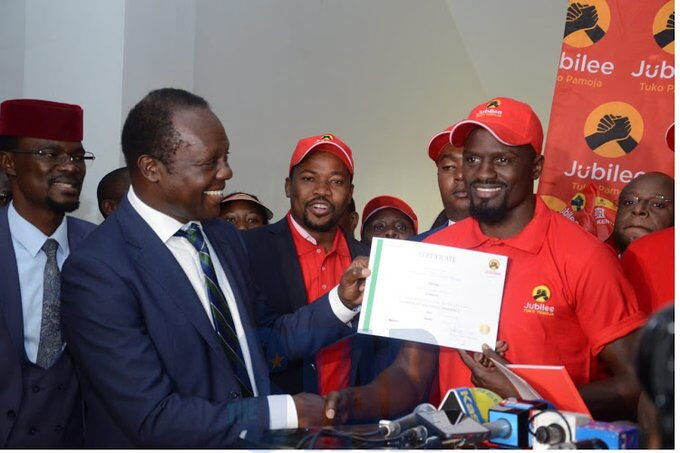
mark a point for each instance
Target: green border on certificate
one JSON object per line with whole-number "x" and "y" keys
{"x": 374, "y": 279}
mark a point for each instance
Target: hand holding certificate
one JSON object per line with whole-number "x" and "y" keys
{"x": 433, "y": 294}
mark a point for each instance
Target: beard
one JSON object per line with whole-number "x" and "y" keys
{"x": 324, "y": 227}
{"x": 486, "y": 214}
{"x": 62, "y": 207}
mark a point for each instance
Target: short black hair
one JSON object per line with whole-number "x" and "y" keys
{"x": 148, "y": 127}
{"x": 8, "y": 142}
{"x": 105, "y": 188}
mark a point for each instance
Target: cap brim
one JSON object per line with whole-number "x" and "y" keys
{"x": 372, "y": 213}
{"x": 267, "y": 212}
{"x": 339, "y": 151}
{"x": 437, "y": 142}
{"x": 461, "y": 131}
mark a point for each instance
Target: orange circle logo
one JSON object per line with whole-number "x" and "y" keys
{"x": 541, "y": 293}
{"x": 578, "y": 202}
{"x": 613, "y": 129}
{"x": 587, "y": 22}
{"x": 663, "y": 27}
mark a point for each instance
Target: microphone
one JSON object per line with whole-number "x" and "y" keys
{"x": 394, "y": 428}
{"x": 473, "y": 402}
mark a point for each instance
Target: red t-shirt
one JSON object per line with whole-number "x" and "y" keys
{"x": 565, "y": 296}
{"x": 648, "y": 263}
{"x": 321, "y": 271}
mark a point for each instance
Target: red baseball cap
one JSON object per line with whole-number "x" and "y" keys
{"x": 512, "y": 122}
{"x": 388, "y": 201}
{"x": 437, "y": 143}
{"x": 41, "y": 119}
{"x": 326, "y": 142}
{"x": 670, "y": 137}
{"x": 242, "y": 196}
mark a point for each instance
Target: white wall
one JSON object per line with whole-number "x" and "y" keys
{"x": 384, "y": 75}
{"x": 72, "y": 51}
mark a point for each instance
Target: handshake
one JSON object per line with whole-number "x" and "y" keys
{"x": 581, "y": 16}
{"x": 612, "y": 127}
{"x": 379, "y": 399}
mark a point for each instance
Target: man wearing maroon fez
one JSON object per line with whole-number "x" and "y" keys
{"x": 42, "y": 155}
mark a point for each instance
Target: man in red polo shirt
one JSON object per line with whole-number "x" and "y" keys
{"x": 300, "y": 258}
{"x": 649, "y": 264}
{"x": 565, "y": 301}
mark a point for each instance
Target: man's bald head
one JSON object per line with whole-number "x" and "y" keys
{"x": 645, "y": 205}
{"x": 111, "y": 189}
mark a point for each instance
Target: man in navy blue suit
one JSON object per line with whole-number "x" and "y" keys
{"x": 170, "y": 334}
{"x": 42, "y": 154}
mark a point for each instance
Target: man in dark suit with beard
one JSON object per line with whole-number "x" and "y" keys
{"x": 42, "y": 154}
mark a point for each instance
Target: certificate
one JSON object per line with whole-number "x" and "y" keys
{"x": 433, "y": 294}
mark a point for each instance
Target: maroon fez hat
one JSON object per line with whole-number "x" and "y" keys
{"x": 41, "y": 119}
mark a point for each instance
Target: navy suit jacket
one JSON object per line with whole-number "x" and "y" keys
{"x": 277, "y": 271}
{"x": 152, "y": 369}
{"x": 421, "y": 237}
{"x": 63, "y": 408}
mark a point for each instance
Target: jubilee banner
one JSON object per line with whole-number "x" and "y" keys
{"x": 612, "y": 107}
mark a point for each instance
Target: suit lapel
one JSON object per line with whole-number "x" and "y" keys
{"x": 159, "y": 263}
{"x": 289, "y": 264}
{"x": 10, "y": 296}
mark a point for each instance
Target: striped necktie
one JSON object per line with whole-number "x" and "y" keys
{"x": 222, "y": 319}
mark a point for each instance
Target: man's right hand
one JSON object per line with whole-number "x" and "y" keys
{"x": 310, "y": 410}
{"x": 353, "y": 281}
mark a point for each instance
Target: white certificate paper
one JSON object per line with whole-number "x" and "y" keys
{"x": 433, "y": 294}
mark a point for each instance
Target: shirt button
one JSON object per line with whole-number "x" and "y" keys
{"x": 58, "y": 428}
{"x": 32, "y": 430}
{"x": 318, "y": 250}
{"x": 35, "y": 389}
{"x": 323, "y": 268}
{"x": 323, "y": 286}
{"x": 234, "y": 395}
{"x": 11, "y": 415}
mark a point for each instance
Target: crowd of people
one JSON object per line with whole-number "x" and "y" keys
{"x": 187, "y": 319}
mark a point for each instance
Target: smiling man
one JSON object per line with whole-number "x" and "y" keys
{"x": 645, "y": 206}
{"x": 171, "y": 334}
{"x": 565, "y": 300}
{"x": 300, "y": 259}
{"x": 42, "y": 154}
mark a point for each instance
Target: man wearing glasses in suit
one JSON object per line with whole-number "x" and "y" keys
{"x": 41, "y": 153}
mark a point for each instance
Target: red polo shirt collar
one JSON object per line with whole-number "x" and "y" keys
{"x": 530, "y": 239}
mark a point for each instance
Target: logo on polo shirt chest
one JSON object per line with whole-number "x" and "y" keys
{"x": 540, "y": 303}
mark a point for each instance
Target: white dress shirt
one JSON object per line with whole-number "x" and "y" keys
{"x": 282, "y": 412}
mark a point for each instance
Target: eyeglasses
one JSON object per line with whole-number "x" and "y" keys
{"x": 55, "y": 156}
{"x": 658, "y": 203}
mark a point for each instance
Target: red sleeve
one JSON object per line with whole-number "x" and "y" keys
{"x": 605, "y": 303}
